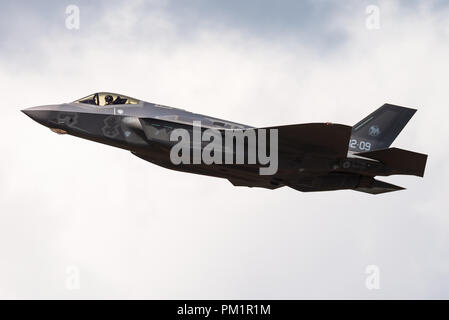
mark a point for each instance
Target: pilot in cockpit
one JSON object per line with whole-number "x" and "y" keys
{"x": 108, "y": 99}
{"x": 119, "y": 100}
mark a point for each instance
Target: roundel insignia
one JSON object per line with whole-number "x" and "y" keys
{"x": 374, "y": 131}
{"x": 110, "y": 128}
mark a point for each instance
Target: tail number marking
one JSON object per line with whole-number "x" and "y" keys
{"x": 361, "y": 145}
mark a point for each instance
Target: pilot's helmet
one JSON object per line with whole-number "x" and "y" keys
{"x": 108, "y": 99}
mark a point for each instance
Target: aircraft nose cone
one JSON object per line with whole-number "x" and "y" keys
{"x": 38, "y": 114}
{"x": 28, "y": 112}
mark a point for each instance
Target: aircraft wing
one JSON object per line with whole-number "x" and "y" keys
{"x": 325, "y": 139}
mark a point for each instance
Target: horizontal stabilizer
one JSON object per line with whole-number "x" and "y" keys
{"x": 377, "y": 187}
{"x": 399, "y": 161}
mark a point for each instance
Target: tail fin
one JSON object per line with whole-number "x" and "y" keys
{"x": 380, "y": 128}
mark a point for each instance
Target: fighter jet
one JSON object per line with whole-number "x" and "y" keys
{"x": 309, "y": 157}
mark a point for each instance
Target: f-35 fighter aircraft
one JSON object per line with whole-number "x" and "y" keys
{"x": 309, "y": 157}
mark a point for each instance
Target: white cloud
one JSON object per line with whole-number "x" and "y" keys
{"x": 137, "y": 230}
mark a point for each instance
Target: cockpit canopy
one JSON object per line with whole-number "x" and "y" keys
{"x": 106, "y": 99}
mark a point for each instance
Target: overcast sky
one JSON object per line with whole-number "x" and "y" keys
{"x": 83, "y": 220}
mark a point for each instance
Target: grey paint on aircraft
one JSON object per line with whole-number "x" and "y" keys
{"x": 312, "y": 157}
